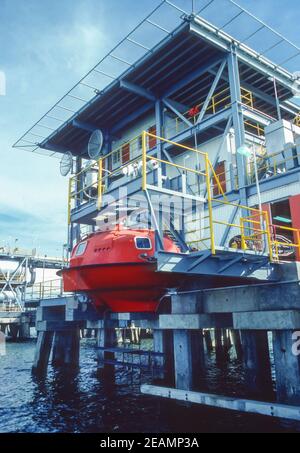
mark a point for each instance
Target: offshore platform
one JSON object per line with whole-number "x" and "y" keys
{"x": 194, "y": 134}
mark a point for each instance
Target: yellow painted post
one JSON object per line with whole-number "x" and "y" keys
{"x": 244, "y": 245}
{"x": 144, "y": 148}
{"x": 298, "y": 239}
{"x": 210, "y": 208}
{"x": 100, "y": 171}
{"x": 70, "y": 201}
{"x": 269, "y": 239}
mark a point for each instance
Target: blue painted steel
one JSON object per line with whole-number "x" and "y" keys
{"x": 238, "y": 121}
{"x": 139, "y": 91}
{"x": 192, "y": 76}
{"x": 84, "y": 126}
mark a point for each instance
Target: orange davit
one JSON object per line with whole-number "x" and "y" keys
{"x": 117, "y": 269}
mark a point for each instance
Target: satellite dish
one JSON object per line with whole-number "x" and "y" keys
{"x": 95, "y": 144}
{"x": 66, "y": 164}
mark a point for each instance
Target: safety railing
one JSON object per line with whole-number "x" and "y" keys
{"x": 10, "y": 307}
{"x": 84, "y": 186}
{"x": 211, "y": 225}
{"x": 45, "y": 290}
{"x": 120, "y": 165}
{"x": 254, "y": 128}
{"x": 219, "y": 101}
{"x": 285, "y": 242}
{"x": 273, "y": 164}
{"x": 249, "y": 231}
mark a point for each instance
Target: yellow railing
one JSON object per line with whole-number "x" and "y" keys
{"x": 45, "y": 290}
{"x": 252, "y": 228}
{"x": 207, "y": 232}
{"x": 277, "y": 243}
{"x": 254, "y": 128}
{"x": 273, "y": 164}
{"x": 218, "y": 102}
{"x": 297, "y": 120}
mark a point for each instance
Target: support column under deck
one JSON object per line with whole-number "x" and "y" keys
{"x": 257, "y": 362}
{"x": 287, "y": 367}
{"x": 42, "y": 352}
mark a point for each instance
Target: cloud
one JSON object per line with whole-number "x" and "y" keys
{"x": 46, "y": 234}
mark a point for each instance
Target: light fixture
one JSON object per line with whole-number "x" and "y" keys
{"x": 244, "y": 150}
{"x": 282, "y": 219}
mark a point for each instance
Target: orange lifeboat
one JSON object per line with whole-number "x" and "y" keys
{"x": 117, "y": 269}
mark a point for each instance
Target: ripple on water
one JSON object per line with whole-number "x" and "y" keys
{"x": 79, "y": 402}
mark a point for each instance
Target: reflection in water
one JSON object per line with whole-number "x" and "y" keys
{"x": 78, "y": 401}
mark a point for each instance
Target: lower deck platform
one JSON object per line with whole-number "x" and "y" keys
{"x": 226, "y": 263}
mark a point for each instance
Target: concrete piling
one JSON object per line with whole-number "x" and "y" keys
{"x": 287, "y": 367}
{"x": 208, "y": 341}
{"x": 239, "y": 318}
{"x": 257, "y": 362}
{"x": 66, "y": 348}
{"x": 42, "y": 352}
{"x": 237, "y": 344}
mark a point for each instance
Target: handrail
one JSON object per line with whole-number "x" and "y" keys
{"x": 45, "y": 290}
{"x": 209, "y": 174}
{"x": 254, "y": 224}
{"x": 271, "y": 161}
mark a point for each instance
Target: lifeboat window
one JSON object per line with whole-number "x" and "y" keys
{"x": 81, "y": 249}
{"x": 143, "y": 243}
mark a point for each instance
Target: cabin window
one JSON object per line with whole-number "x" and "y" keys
{"x": 81, "y": 249}
{"x": 116, "y": 157}
{"x": 143, "y": 243}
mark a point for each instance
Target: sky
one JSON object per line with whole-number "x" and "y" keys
{"x": 46, "y": 47}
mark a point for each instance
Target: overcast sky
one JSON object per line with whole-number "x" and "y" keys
{"x": 46, "y": 47}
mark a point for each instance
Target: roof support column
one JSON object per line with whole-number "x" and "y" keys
{"x": 160, "y": 133}
{"x": 238, "y": 121}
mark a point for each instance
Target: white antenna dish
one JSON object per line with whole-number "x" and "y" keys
{"x": 95, "y": 144}
{"x": 66, "y": 164}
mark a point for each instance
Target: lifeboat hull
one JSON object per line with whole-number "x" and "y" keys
{"x": 123, "y": 287}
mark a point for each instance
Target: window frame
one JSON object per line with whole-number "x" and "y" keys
{"x": 143, "y": 248}
{"x": 80, "y": 253}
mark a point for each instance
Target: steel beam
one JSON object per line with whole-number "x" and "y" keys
{"x": 211, "y": 91}
{"x": 193, "y": 75}
{"x": 138, "y": 90}
{"x": 170, "y": 105}
{"x": 84, "y": 126}
{"x": 238, "y": 120}
{"x": 223, "y": 41}
{"x": 131, "y": 117}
